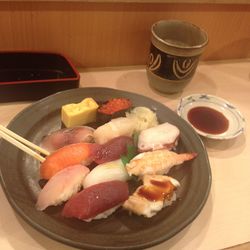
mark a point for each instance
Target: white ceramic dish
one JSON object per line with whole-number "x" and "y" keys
{"x": 235, "y": 118}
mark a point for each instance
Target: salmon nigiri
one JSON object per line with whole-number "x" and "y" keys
{"x": 61, "y": 186}
{"x": 78, "y": 153}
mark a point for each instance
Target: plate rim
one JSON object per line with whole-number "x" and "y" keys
{"x": 69, "y": 242}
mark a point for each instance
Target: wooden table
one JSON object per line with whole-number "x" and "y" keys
{"x": 225, "y": 220}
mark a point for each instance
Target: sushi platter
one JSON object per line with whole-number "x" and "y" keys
{"x": 115, "y": 218}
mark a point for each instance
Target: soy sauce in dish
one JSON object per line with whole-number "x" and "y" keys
{"x": 208, "y": 120}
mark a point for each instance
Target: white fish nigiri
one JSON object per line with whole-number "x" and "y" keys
{"x": 121, "y": 126}
{"x": 162, "y": 136}
{"x": 62, "y": 186}
{"x": 109, "y": 171}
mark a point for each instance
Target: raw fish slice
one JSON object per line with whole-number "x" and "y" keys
{"x": 95, "y": 201}
{"x": 112, "y": 150}
{"x": 61, "y": 186}
{"x": 156, "y": 162}
{"x": 121, "y": 126}
{"x": 156, "y": 192}
{"x": 108, "y": 171}
{"x": 66, "y": 136}
{"x": 78, "y": 153}
{"x": 162, "y": 136}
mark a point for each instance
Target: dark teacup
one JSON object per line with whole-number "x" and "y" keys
{"x": 176, "y": 47}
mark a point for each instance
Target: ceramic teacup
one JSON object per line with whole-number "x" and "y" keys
{"x": 176, "y": 47}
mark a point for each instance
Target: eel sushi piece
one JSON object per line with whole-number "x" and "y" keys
{"x": 97, "y": 201}
{"x": 61, "y": 186}
{"x": 62, "y": 137}
{"x": 157, "y": 192}
{"x": 162, "y": 136}
{"x": 156, "y": 162}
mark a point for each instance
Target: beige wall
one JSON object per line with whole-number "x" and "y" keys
{"x": 116, "y": 34}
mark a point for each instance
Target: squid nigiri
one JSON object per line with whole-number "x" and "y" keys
{"x": 61, "y": 186}
{"x": 157, "y": 191}
{"x": 62, "y": 137}
{"x": 156, "y": 162}
{"x": 162, "y": 136}
{"x": 121, "y": 126}
{"x": 78, "y": 153}
{"x": 97, "y": 201}
{"x": 109, "y": 171}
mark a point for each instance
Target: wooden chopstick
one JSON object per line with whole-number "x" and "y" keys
{"x": 22, "y": 143}
{"x": 23, "y": 140}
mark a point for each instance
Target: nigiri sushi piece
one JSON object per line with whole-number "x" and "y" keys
{"x": 97, "y": 201}
{"x": 162, "y": 136}
{"x": 157, "y": 192}
{"x": 112, "y": 150}
{"x": 62, "y": 137}
{"x": 113, "y": 108}
{"x": 156, "y": 162}
{"x": 109, "y": 171}
{"x": 78, "y": 153}
{"x": 121, "y": 126}
{"x": 61, "y": 186}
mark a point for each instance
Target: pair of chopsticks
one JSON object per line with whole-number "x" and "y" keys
{"x": 23, "y": 144}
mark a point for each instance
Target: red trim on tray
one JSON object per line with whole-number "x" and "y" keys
{"x": 47, "y": 80}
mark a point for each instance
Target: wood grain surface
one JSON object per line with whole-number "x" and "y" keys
{"x": 117, "y": 34}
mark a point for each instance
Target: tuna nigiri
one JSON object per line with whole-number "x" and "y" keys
{"x": 112, "y": 150}
{"x": 156, "y": 162}
{"x": 78, "y": 153}
{"x": 62, "y": 137}
{"x": 156, "y": 192}
{"x": 116, "y": 127}
{"x": 61, "y": 186}
{"x": 97, "y": 201}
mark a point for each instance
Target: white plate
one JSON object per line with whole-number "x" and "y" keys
{"x": 235, "y": 118}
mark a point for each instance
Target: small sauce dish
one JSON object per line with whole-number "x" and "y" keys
{"x": 211, "y": 116}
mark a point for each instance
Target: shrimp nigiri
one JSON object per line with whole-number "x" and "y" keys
{"x": 78, "y": 153}
{"x": 156, "y": 162}
{"x": 61, "y": 186}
